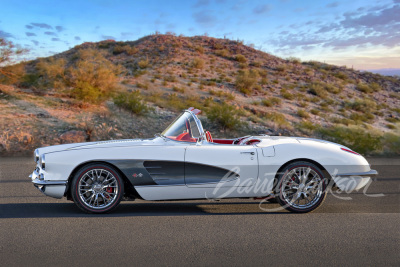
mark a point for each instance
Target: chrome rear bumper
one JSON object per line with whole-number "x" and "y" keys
{"x": 359, "y": 174}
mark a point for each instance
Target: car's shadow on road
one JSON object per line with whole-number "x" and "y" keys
{"x": 131, "y": 209}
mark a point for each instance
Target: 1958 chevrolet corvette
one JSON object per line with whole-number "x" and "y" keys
{"x": 185, "y": 162}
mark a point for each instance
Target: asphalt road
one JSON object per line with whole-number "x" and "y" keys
{"x": 36, "y": 230}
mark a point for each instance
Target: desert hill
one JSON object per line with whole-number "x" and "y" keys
{"x": 113, "y": 90}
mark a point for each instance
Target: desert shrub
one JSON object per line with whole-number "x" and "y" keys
{"x": 92, "y": 77}
{"x": 285, "y": 94}
{"x": 395, "y": 95}
{"x": 365, "y": 88}
{"x": 246, "y": 80}
{"x": 392, "y": 119}
{"x": 227, "y": 95}
{"x": 198, "y": 63}
{"x": 362, "y": 105}
{"x": 277, "y": 118}
{"x": 256, "y": 64}
{"x": 142, "y": 85}
{"x": 199, "y": 49}
{"x": 303, "y": 114}
{"x": 264, "y": 81}
{"x": 307, "y": 126}
{"x": 318, "y": 90}
{"x": 272, "y": 101}
{"x": 30, "y": 79}
{"x": 144, "y": 63}
{"x": 315, "y": 111}
{"x": 240, "y": 58}
{"x": 341, "y": 75}
{"x": 178, "y": 89}
{"x": 170, "y": 78}
{"x": 52, "y": 71}
{"x": 227, "y": 116}
{"x": 218, "y": 46}
{"x": 127, "y": 49}
{"x": 362, "y": 117}
{"x": 222, "y": 53}
{"x": 294, "y": 60}
{"x": 357, "y": 138}
{"x": 391, "y": 142}
{"x": 281, "y": 68}
{"x": 13, "y": 74}
{"x": 132, "y": 102}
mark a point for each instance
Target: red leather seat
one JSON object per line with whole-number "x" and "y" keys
{"x": 209, "y": 137}
{"x": 183, "y": 136}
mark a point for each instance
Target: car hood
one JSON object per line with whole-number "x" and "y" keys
{"x": 100, "y": 144}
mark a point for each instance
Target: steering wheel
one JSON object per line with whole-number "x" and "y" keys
{"x": 237, "y": 140}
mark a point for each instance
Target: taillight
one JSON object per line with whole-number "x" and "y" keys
{"x": 348, "y": 150}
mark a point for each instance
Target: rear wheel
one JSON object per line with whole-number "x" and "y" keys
{"x": 301, "y": 187}
{"x": 97, "y": 188}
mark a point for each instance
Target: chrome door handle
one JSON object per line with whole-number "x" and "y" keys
{"x": 247, "y": 152}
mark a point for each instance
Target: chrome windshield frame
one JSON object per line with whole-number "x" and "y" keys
{"x": 199, "y": 126}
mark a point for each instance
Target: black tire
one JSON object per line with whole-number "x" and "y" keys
{"x": 301, "y": 194}
{"x": 97, "y": 188}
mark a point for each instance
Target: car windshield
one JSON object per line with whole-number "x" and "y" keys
{"x": 184, "y": 128}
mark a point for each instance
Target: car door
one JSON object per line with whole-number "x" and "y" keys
{"x": 220, "y": 165}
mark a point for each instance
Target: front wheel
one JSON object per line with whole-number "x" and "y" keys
{"x": 97, "y": 188}
{"x": 301, "y": 187}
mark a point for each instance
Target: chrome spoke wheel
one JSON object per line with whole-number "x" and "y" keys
{"x": 302, "y": 187}
{"x": 98, "y": 188}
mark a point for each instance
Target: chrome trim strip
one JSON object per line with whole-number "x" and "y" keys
{"x": 199, "y": 184}
{"x": 369, "y": 173}
{"x": 51, "y": 182}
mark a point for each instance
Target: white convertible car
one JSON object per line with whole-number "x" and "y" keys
{"x": 185, "y": 162}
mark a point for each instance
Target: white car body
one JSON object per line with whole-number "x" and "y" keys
{"x": 164, "y": 169}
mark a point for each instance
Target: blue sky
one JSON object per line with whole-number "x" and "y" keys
{"x": 364, "y": 34}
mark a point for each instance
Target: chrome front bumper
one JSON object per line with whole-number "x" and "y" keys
{"x": 52, "y": 188}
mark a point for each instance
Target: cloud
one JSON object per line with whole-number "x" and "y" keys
{"x": 4, "y": 34}
{"x": 60, "y": 28}
{"x": 333, "y": 4}
{"x": 126, "y": 34}
{"x": 171, "y": 26}
{"x": 201, "y": 3}
{"x": 50, "y": 33}
{"x": 261, "y": 9}
{"x": 30, "y": 27}
{"x": 30, "y": 34}
{"x": 373, "y": 19}
{"x": 42, "y": 25}
{"x": 36, "y": 43}
{"x": 55, "y": 39}
{"x": 107, "y": 37}
{"x": 204, "y": 18}
{"x": 77, "y": 38}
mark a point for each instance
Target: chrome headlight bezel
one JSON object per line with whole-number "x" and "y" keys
{"x": 36, "y": 156}
{"x": 42, "y": 162}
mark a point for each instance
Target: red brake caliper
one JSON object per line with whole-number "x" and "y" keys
{"x": 109, "y": 190}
